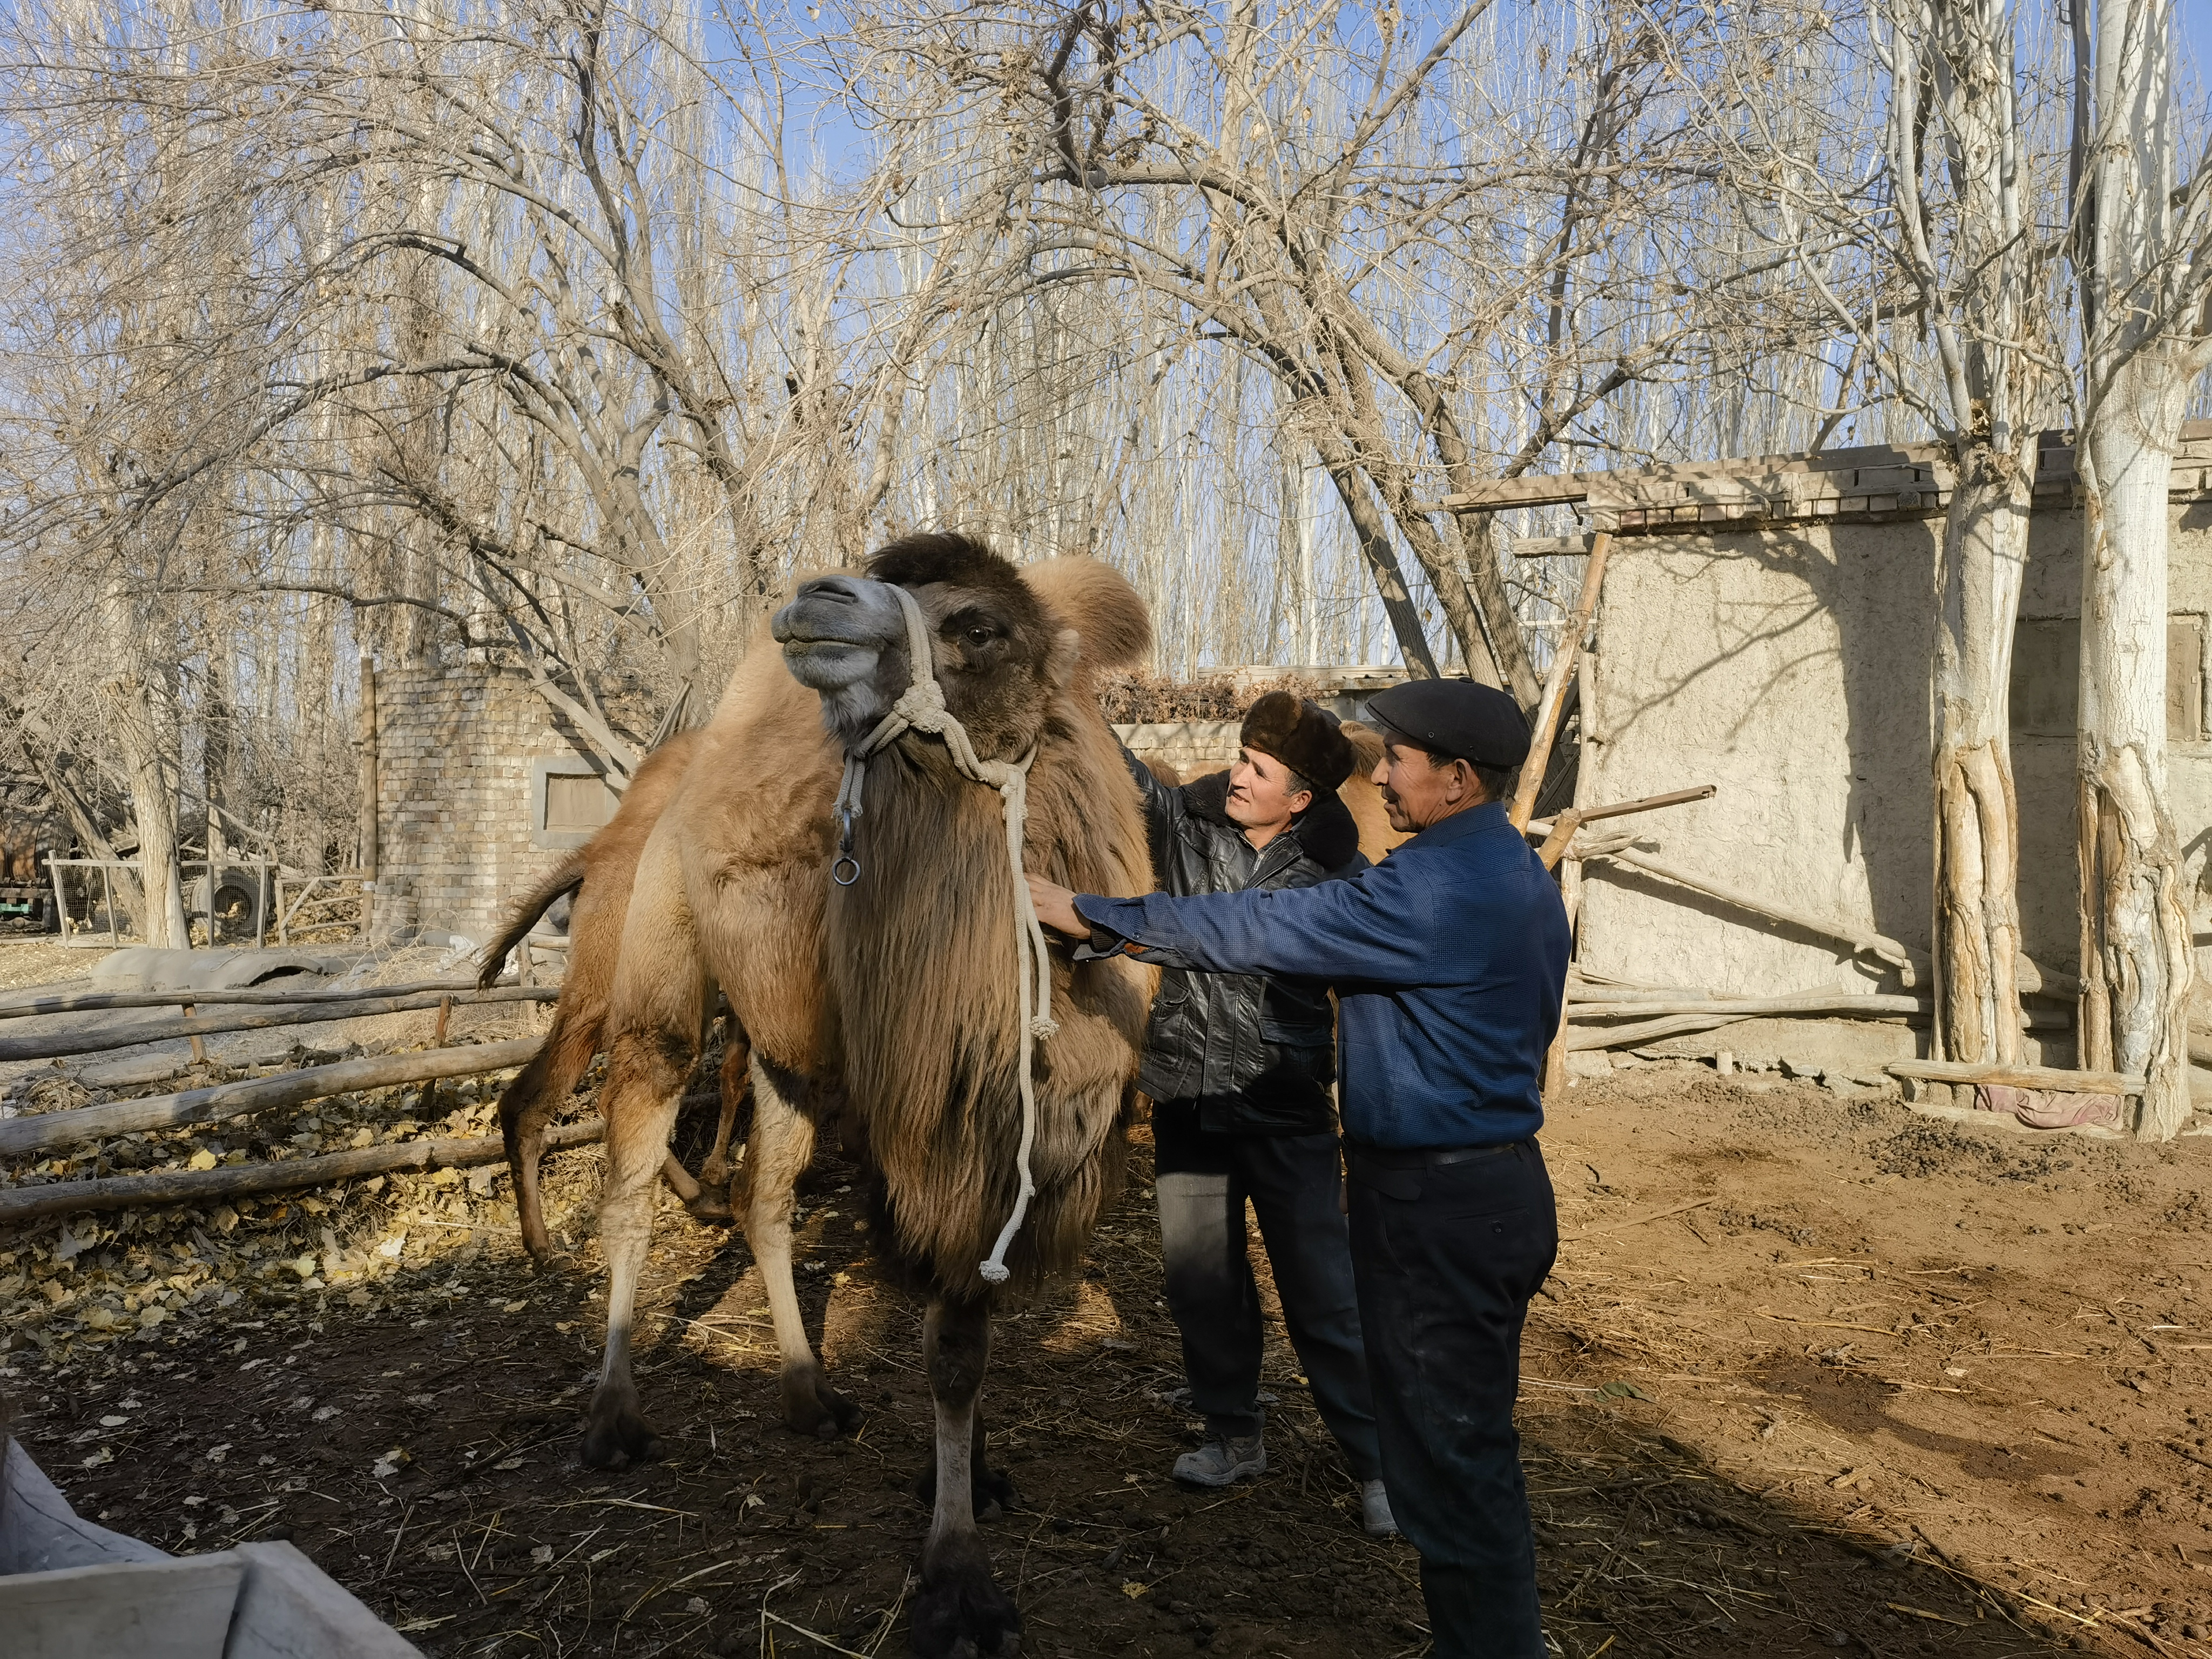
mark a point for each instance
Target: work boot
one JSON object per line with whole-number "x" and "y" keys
{"x": 1223, "y": 1460}
{"x": 1375, "y": 1510}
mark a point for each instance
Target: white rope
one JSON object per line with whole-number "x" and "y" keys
{"x": 921, "y": 707}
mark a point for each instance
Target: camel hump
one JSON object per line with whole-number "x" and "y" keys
{"x": 1366, "y": 746}
{"x": 1097, "y": 601}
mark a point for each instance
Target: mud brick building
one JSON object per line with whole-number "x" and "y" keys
{"x": 481, "y": 787}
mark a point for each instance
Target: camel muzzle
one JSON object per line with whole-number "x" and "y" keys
{"x": 836, "y": 631}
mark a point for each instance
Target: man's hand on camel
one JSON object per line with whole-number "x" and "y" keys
{"x": 1055, "y": 909}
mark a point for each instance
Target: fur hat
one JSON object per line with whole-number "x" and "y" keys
{"x": 1303, "y": 735}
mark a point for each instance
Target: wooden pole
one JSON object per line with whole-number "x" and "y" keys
{"x": 288, "y": 1175}
{"x": 2019, "y": 1077}
{"x": 429, "y": 1106}
{"x": 1555, "y": 684}
{"x": 61, "y": 1043}
{"x": 1811, "y": 1002}
{"x": 1619, "y": 809}
{"x": 105, "y": 1001}
{"x": 44, "y": 1131}
{"x": 1909, "y": 963}
{"x": 199, "y": 1048}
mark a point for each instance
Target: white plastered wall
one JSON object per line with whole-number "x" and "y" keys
{"x": 1789, "y": 664}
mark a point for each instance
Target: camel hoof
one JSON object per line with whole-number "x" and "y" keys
{"x": 616, "y": 1434}
{"x": 812, "y": 1407}
{"x": 963, "y": 1615}
{"x": 716, "y": 1172}
{"x": 712, "y": 1206}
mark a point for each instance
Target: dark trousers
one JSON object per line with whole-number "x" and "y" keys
{"x": 1447, "y": 1256}
{"x": 1203, "y": 1181}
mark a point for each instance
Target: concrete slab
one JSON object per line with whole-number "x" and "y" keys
{"x": 172, "y": 1609}
{"x": 40, "y": 1532}
{"x": 290, "y": 1608}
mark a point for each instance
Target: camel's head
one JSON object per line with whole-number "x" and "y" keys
{"x": 999, "y": 653}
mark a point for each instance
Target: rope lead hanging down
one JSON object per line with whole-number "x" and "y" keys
{"x": 921, "y": 707}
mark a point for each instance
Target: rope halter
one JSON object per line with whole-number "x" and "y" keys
{"x": 921, "y": 707}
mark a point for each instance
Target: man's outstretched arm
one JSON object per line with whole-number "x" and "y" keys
{"x": 1366, "y": 928}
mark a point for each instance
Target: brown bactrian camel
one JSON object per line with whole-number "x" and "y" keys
{"x": 600, "y": 874}
{"x": 890, "y": 1007}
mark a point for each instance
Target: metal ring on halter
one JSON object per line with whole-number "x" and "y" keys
{"x": 843, "y": 859}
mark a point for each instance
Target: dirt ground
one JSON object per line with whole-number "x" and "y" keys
{"x": 1815, "y": 1375}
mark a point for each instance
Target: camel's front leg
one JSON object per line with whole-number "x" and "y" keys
{"x": 959, "y": 1611}
{"x": 781, "y": 1146}
{"x": 645, "y": 1074}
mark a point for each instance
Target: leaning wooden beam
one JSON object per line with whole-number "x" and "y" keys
{"x": 252, "y": 1180}
{"x": 93, "y": 1002}
{"x": 43, "y": 1131}
{"x": 1555, "y": 684}
{"x": 2018, "y": 1077}
{"x": 1584, "y": 815}
{"x": 54, "y": 1045}
{"x": 1583, "y": 1039}
{"x": 1840, "y": 1002}
{"x": 1909, "y": 964}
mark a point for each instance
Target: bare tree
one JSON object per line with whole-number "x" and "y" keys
{"x": 1930, "y": 236}
{"x": 1274, "y": 185}
{"x": 2145, "y": 258}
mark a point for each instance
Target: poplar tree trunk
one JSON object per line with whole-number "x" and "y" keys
{"x": 2146, "y": 340}
{"x": 1977, "y": 938}
{"x": 154, "y": 807}
{"x": 2137, "y": 967}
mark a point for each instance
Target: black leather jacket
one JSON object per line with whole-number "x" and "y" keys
{"x": 1256, "y": 1055}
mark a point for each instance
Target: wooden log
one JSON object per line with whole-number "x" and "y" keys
{"x": 1910, "y": 962}
{"x": 97, "y": 1002}
{"x": 2018, "y": 1077}
{"x": 43, "y": 1131}
{"x": 1555, "y": 684}
{"x": 1622, "y": 808}
{"x": 1842, "y": 1002}
{"x": 55, "y": 1045}
{"x": 288, "y": 1175}
{"x": 1653, "y": 1030}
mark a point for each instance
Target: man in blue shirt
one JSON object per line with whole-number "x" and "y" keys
{"x": 1449, "y": 962}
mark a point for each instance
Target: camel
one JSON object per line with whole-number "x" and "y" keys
{"x": 884, "y": 1001}
{"x": 599, "y": 875}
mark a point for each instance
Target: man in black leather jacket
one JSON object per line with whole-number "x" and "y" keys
{"x": 1240, "y": 1069}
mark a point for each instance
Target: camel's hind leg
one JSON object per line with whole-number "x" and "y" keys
{"x": 528, "y": 1103}
{"x": 656, "y": 1011}
{"x": 781, "y": 1146}
{"x": 646, "y": 1076}
{"x": 959, "y": 1611}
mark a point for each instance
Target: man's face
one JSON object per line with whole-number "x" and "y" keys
{"x": 1415, "y": 793}
{"x": 1260, "y": 795}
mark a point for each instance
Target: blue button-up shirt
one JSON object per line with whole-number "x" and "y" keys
{"x": 1449, "y": 963}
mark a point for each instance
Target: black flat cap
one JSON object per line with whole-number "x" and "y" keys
{"x": 1458, "y": 718}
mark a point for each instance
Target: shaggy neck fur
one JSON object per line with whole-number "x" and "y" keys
{"x": 920, "y": 959}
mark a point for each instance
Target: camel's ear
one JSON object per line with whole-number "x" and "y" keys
{"x": 1060, "y": 663}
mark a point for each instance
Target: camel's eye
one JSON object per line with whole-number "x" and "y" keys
{"x": 979, "y": 635}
